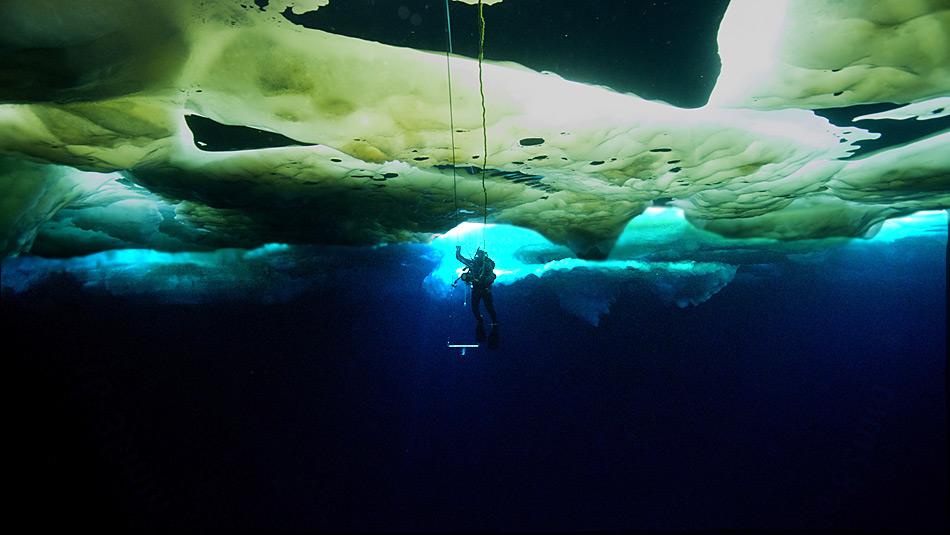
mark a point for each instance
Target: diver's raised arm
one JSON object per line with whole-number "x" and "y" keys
{"x": 460, "y": 258}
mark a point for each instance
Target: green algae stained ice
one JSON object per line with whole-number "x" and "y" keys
{"x": 99, "y": 98}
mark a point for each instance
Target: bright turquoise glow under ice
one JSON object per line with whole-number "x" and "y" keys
{"x": 179, "y": 277}
{"x": 517, "y": 253}
{"x": 928, "y": 223}
{"x": 682, "y": 263}
{"x": 660, "y": 239}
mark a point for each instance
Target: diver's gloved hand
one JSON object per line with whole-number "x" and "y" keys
{"x": 458, "y": 247}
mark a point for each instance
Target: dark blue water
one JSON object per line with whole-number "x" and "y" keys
{"x": 813, "y": 396}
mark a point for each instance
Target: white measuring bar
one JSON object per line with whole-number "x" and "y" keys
{"x": 463, "y": 347}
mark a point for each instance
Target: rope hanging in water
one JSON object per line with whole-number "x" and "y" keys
{"x": 448, "y": 73}
{"x": 481, "y": 90}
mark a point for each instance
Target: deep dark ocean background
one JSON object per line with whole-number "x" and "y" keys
{"x": 810, "y": 397}
{"x": 801, "y": 395}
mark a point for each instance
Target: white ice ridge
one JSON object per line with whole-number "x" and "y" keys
{"x": 827, "y": 53}
{"x": 933, "y": 108}
{"x": 297, "y": 6}
{"x": 574, "y": 162}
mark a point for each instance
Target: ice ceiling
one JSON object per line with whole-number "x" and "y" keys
{"x": 99, "y": 98}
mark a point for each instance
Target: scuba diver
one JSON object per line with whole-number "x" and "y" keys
{"x": 479, "y": 274}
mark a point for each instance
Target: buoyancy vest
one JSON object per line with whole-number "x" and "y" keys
{"x": 483, "y": 273}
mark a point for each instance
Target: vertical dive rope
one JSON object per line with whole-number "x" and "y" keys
{"x": 448, "y": 73}
{"x": 455, "y": 187}
{"x": 481, "y": 90}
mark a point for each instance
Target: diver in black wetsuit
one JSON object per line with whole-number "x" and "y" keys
{"x": 480, "y": 274}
